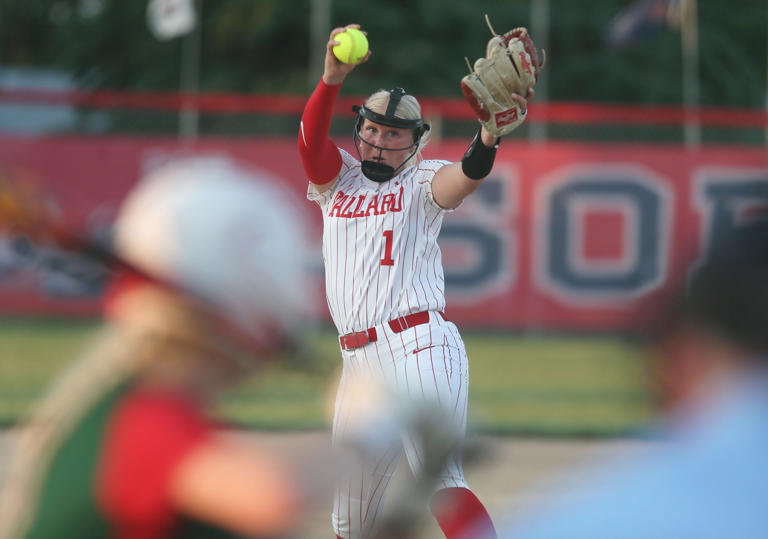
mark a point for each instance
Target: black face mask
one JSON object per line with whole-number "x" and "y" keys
{"x": 374, "y": 170}
{"x": 377, "y": 172}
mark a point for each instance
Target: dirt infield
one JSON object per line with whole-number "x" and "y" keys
{"x": 509, "y": 474}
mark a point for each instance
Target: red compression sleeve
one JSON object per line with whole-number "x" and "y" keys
{"x": 320, "y": 156}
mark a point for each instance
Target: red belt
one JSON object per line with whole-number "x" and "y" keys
{"x": 350, "y": 341}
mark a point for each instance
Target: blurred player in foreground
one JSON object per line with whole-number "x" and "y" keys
{"x": 210, "y": 279}
{"x": 382, "y": 213}
{"x": 707, "y": 476}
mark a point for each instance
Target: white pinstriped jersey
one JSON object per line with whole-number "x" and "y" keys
{"x": 380, "y": 250}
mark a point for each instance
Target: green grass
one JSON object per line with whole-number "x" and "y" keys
{"x": 537, "y": 385}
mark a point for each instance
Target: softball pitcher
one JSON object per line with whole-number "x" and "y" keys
{"x": 382, "y": 213}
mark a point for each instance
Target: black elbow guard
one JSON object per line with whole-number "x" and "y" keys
{"x": 478, "y": 161}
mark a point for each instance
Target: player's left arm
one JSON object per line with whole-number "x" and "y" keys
{"x": 454, "y": 182}
{"x": 498, "y": 89}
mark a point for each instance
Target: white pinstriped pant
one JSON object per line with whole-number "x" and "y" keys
{"x": 424, "y": 362}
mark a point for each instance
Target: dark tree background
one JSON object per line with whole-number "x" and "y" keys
{"x": 263, "y": 46}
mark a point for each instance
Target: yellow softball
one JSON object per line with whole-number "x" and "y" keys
{"x": 352, "y": 47}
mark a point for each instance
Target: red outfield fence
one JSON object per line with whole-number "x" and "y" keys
{"x": 562, "y": 236}
{"x": 545, "y": 112}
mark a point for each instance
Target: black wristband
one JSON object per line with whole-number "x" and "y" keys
{"x": 478, "y": 161}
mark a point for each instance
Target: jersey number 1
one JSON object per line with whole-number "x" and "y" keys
{"x": 387, "y": 260}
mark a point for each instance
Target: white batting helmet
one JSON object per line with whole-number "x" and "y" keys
{"x": 223, "y": 235}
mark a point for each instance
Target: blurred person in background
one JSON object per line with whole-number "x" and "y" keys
{"x": 707, "y": 474}
{"x": 382, "y": 213}
{"x": 209, "y": 282}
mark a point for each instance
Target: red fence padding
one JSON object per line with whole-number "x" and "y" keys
{"x": 553, "y": 239}
{"x": 449, "y": 108}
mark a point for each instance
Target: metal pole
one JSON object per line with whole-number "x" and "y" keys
{"x": 690, "y": 45}
{"x": 540, "y": 22}
{"x": 319, "y": 28}
{"x": 190, "y": 76}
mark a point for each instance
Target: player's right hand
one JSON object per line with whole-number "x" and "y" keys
{"x": 335, "y": 71}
